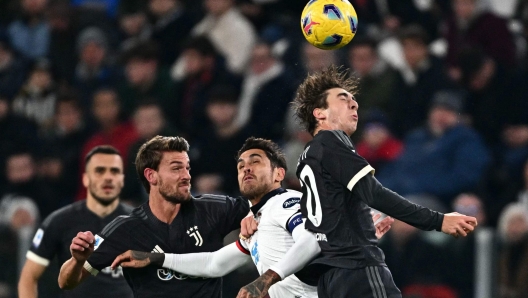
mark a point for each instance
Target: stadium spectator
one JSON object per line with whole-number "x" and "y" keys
{"x": 490, "y": 88}
{"x": 315, "y": 59}
{"x": 377, "y": 144}
{"x": 267, "y": 89}
{"x": 145, "y": 78}
{"x": 230, "y": 32}
{"x": 443, "y": 158}
{"x": 218, "y": 143}
{"x": 172, "y": 24}
{"x": 402, "y": 13}
{"x": 133, "y": 24}
{"x": 15, "y": 132}
{"x": 30, "y": 32}
{"x": 513, "y": 260}
{"x": 93, "y": 70}
{"x": 107, "y": 6}
{"x": 112, "y": 130}
{"x": 37, "y": 97}
{"x": 22, "y": 182}
{"x": 203, "y": 68}
{"x": 473, "y": 26}
{"x": 12, "y": 69}
{"x": 63, "y": 146}
{"x": 64, "y": 30}
{"x": 414, "y": 89}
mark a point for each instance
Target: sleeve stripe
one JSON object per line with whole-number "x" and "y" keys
{"x": 242, "y": 248}
{"x": 294, "y": 221}
{"x": 37, "y": 259}
{"x": 110, "y": 228}
{"x": 90, "y": 269}
{"x": 367, "y": 169}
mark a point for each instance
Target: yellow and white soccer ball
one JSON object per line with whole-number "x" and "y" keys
{"x": 329, "y": 24}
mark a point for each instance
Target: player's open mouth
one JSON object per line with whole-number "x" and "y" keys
{"x": 247, "y": 178}
{"x": 108, "y": 187}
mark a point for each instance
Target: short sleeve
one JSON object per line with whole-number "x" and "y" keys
{"x": 110, "y": 243}
{"x": 340, "y": 159}
{"x": 45, "y": 242}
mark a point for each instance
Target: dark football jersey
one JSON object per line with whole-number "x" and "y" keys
{"x": 54, "y": 238}
{"x": 200, "y": 226}
{"x": 328, "y": 170}
{"x": 338, "y": 187}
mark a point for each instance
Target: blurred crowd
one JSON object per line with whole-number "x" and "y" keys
{"x": 443, "y": 110}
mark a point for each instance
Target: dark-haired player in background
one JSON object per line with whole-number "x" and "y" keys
{"x": 103, "y": 178}
{"x": 171, "y": 221}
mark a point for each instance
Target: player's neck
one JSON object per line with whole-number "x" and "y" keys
{"x": 99, "y": 209}
{"x": 164, "y": 210}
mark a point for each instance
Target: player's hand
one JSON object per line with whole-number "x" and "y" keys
{"x": 248, "y": 227}
{"x": 383, "y": 226}
{"x": 456, "y": 224}
{"x": 132, "y": 259}
{"x": 259, "y": 288}
{"x": 82, "y": 246}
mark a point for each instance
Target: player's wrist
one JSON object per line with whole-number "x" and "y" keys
{"x": 157, "y": 259}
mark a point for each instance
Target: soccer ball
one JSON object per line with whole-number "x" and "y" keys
{"x": 329, "y": 24}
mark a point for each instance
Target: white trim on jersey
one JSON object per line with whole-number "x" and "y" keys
{"x": 90, "y": 269}
{"x": 37, "y": 259}
{"x": 367, "y": 169}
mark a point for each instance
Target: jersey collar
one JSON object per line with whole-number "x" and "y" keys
{"x": 265, "y": 198}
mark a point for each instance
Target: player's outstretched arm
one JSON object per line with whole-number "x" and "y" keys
{"x": 208, "y": 264}
{"x": 72, "y": 272}
{"x": 456, "y": 224}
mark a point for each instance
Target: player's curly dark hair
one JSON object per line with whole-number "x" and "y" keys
{"x": 150, "y": 154}
{"x": 312, "y": 93}
{"x": 272, "y": 150}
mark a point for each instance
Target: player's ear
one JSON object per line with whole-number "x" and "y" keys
{"x": 319, "y": 114}
{"x": 151, "y": 176}
{"x": 85, "y": 180}
{"x": 280, "y": 173}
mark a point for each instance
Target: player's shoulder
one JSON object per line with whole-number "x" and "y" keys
{"x": 216, "y": 201}
{"x": 126, "y": 222}
{"x": 285, "y": 200}
{"x": 64, "y": 214}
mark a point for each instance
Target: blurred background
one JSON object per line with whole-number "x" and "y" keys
{"x": 443, "y": 115}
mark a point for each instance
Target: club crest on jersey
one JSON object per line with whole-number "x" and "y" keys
{"x": 193, "y": 232}
{"x": 290, "y": 202}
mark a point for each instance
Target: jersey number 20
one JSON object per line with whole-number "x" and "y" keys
{"x": 313, "y": 203}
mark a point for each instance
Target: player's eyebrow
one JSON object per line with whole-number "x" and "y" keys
{"x": 345, "y": 94}
{"x": 252, "y": 155}
{"x": 176, "y": 162}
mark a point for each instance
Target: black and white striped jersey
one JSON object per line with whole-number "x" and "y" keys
{"x": 200, "y": 226}
{"x": 54, "y": 237}
{"x": 339, "y": 187}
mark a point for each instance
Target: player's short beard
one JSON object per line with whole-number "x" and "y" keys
{"x": 253, "y": 192}
{"x": 173, "y": 196}
{"x": 104, "y": 202}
